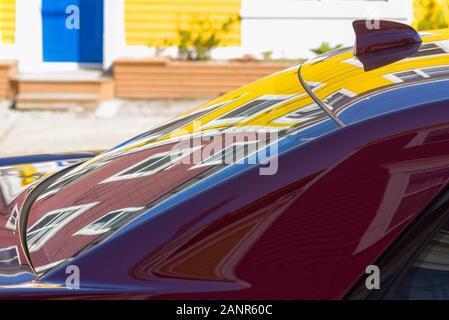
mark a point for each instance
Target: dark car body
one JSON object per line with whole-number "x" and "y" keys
{"x": 303, "y": 221}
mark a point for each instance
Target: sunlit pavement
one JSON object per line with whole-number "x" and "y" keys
{"x": 32, "y": 132}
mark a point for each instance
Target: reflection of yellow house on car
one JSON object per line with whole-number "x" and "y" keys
{"x": 278, "y": 102}
{"x": 337, "y": 79}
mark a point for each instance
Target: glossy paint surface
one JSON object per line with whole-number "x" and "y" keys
{"x": 140, "y": 225}
{"x": 16, "y": 175}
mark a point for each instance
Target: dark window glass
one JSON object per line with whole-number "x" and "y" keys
{"x": 245, "y": 108}
{"x": 337, "y": 99}
{"x": 148, "y": 165}
{"x": 428, "y": 49}
{"x": 250, "y": 109}
{"x": 408, "y": 76}
{"x": 9, "y": 258}
{"x": 122, "y": 219}
{"x": 44, "y": 222}
{"x": 437, "y": 71}
{"x": 100, "y": 223}
{"x": 258, "y": 108}
{"x": 428, "y": 277}
{"x": 8, "y": 254}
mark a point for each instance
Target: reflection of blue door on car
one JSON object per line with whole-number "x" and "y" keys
{"x": 72, "y": 30}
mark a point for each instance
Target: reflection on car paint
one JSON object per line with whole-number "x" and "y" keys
{"x": 14, "y": 179}
{"x": 227, "y": 230}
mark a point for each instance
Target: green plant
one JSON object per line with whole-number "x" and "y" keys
{"x": 325, "y": 47}
{"x": 203, "y": 35}
{"x": 267, "y": 55}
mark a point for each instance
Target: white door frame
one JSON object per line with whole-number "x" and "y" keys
{"x": 29, "y": 39}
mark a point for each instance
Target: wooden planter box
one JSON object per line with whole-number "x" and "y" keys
{"x": 8, "y": 69}
{"x": 162, "y": 78}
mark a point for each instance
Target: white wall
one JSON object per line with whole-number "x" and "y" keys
{"x": 28, "y": 40}
{"x": 290, "y": 28}
{"x": 114, "y": 41}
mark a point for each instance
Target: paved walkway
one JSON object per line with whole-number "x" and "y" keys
{"x": 32, "y": 132}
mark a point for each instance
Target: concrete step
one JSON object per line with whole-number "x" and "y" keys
{"x": 56, "y": 100}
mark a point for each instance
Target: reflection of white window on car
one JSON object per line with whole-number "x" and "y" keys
{"x": 71, "y": 176}
{"x": 9, "y": 258}
{"x": 251, "y": 109}
{"x": 12, "y": 220}
{"x": 300, "y": 115}
{"x": 178, "y": 123}
{"x": 440, "y": 71}
{"x": 418, "y": 74}
{"x": 355, "y": 62}
{"x": 339, "y": 98}
{"x": 432, "y": 48}
{"x": 425, "y": 34}
{"x": 234, "y": 153}
{"x": 314, "y": 85}
{"x": 51, "y": 223}
{"x": 152, "y": 165}
{"x": 110, "y": 221}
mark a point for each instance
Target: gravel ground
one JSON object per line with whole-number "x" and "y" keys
{"x": 34, "y": 132}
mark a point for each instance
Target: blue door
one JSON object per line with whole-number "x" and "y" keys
{"x": 72, "y": 30}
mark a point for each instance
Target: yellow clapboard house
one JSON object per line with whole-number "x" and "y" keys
{"x": 156, "y": 23}
{"x": 7, "y": 21}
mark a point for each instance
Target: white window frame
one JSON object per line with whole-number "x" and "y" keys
{"x": 89, "y": 230}
{"x": 286, "y": 120}
{"x": 230, "y": 121}
{"x": 207, "y": 163}
{"x": 54, "y": 229}
{"x": 120, "y": 176}
{"x": 11, "y": 224}
{"x": 421, "y": 72}
{"x": 343, "y": 91}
